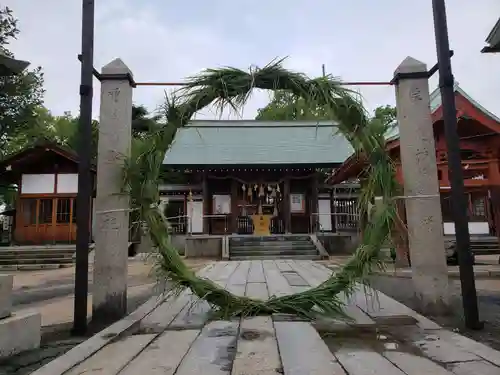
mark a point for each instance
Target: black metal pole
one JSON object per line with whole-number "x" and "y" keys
{"x": 459, "y": 203}
{"x": 84, "y": 197}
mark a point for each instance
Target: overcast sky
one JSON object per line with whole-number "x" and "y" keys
{"x": 167, "y": 40}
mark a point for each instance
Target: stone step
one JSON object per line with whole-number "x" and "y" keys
{"x": 276, "y": 253}
{"x": 18, "y": 333}
{"x": 270, "y": 257}
{"x": 32, "y": 255}
{"x": 281, "y": 247}
{"x": 271, "y": 249}
{"x": 267, "y": 243}
{"x": 36, "y": 252}
{"x": 33, "y": 267}
{"x": 270, "y": 238}
{"x": 32, "y": 260}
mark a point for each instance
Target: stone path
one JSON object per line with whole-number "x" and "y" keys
{"x": 176, "y": 337}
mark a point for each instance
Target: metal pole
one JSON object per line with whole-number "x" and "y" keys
{"x": 459, "y": 204}
{"x": 84, "y": 197}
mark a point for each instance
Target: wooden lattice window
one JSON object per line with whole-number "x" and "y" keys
{"x": 478, "y": 206}
{"x": 45, "y": 211}
{"x": 63, "y": 213}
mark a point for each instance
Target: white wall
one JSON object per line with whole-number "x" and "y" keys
{"x": 67, "y": 183}
{"x": 195, "y": 216}
{"x": 474, "y": 228}
{"x": 37, "y": 183}
{"x": 325, "y": 214}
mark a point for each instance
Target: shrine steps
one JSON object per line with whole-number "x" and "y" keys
{"x": 273, "y": 247}
{"x": 36, "y": 257}
{"x": 479, "y": 245}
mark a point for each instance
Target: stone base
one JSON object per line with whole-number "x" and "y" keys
{"x": 19, "y": 333}
{"x": 6, "y": 283}
{"x": 204, "y": 246}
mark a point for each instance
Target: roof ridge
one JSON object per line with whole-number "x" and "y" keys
{"x": 477, "y": 105}
{"x": 259, "y": 123}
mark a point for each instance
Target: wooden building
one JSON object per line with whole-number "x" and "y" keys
{"x": 479, "y": 132}
{"x": 47, "y": 183}
{"x": 254, "y": 177}
{"x": 493, "y": 40}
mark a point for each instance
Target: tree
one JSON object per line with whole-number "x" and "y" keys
{"x": 385, "y": 118}
{"x": 20, "y": 94}
{"x": 142, "y": 121}
{"x": 285, "y": 106}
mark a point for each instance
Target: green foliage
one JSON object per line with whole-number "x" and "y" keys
{"x": 286, "y": 106}
{"x": 21, "y": 94}
{"x": 384, "y": 119}
{"x": 143, "y": 122}
{"x": 232, "y": 87}
{"x": 62, "y": 130}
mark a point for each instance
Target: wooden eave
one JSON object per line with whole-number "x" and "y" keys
{"x": 31, "y": 155}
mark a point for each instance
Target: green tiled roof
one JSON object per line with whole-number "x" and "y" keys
{"x": 249, "y": 142}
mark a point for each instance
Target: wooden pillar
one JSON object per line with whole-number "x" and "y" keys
{"x": 314, "y": 203}
{"x": 234, "y": 207}
{"x": 206, "y": 203}
{"x": 495, "y": 208}
{"x": 287, "y": 216}
{"x": 494, "y": 192}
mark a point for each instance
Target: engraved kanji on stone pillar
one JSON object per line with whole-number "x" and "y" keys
{"x": 109, "y": 293}
{"x": 421, "y": 188}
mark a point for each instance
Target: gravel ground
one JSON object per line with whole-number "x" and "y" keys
{"x": 488, "y": 291}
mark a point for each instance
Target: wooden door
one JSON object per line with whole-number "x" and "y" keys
{"x": 65, "y": 228}
{"x": 45, "y": 228}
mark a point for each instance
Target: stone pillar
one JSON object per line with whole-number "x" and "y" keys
{"x": 424, "y": 217}
{"x": 287, "y": 216}
{"x": 109, "y": 299}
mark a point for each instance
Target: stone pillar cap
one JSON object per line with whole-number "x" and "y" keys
{"x": 117, "y": 66}
{"x": 410, "y": 65}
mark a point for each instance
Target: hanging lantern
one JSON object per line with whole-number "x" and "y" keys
{"x": 278, "y": 188}
{"x": 261, "y": 191}
{"x": 243, "y": 187}
{"x": 190, "y": 195}
{"x": 255, "y": 187}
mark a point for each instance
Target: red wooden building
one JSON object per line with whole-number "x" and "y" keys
{"x": 479, "y": 132}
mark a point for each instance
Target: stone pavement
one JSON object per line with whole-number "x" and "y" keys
{"x": 175, "y": 336}
{"x": 59, "y": 310}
